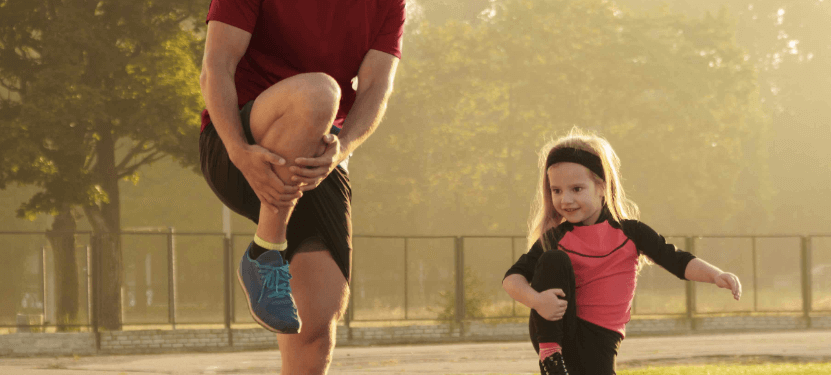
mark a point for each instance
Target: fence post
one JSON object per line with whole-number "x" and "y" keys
{"x": 406, "y": 290}
{"x": 43, "y": 282}
{"x": 460, "y": 285}
{"x": 807, "y": 296}
{"x": 94, "y": 277}
{"x": 690, "y": 243}
{"x": 755, "y": 276}
{"x": 228, "y": 295}
{"x": 513, "y": 256}
{"x": 171, "y": 279}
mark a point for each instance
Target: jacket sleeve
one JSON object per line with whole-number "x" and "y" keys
{"x": 526, "y": 264}
{"x": 656, "y": 248}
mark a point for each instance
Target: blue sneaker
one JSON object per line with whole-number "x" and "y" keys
{"x": 265, "y": 281}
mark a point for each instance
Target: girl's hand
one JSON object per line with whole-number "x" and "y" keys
{"x": 549, "y": 305}
{"x": 730, "y": 281}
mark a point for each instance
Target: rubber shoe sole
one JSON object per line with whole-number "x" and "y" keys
{"x": 256, "y": 318}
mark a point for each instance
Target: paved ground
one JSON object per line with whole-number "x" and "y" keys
{"x": 471, "y": 358}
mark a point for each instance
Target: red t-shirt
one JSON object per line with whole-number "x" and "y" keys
{"x": 292, "y": 37}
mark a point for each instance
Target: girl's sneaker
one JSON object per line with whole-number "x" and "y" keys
{"x": 265, "y": 281}
{"x": 553, "y": 364}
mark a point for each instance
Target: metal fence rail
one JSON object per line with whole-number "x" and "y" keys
{"x": 173, "y": 278}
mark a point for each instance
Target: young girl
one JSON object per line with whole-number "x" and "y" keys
{"x": 587, "y": 246}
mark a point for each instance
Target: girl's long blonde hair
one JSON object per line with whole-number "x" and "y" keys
{"x": 544, "y": 216}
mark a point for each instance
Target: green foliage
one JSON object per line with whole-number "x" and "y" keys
{"x": 90, "y": 92}
{"x": 72, "y": 71}
{"x": 676, "y": 97}
{"x": 476, "y": 300}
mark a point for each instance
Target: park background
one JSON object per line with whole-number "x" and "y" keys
{"x": 718, "y": 110}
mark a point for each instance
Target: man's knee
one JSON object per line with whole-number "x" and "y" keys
{"x": 320, "y": 335}
{"x": 308, "y": 102}
{"x": 317, "y": 97}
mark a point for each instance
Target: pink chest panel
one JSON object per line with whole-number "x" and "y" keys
{"x": 605, "y": 269}
{"x": 600, "y": 251}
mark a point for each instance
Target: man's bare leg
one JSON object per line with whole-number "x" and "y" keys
{"x": 290, "y": 119}
{"x": 321, "y": 292}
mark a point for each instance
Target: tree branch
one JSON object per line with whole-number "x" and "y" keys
{"x": 95, "y": 218}
{"x": 156, "y": 156}
{"x": 89, "y": 163}
{"x": 133, "y": 152}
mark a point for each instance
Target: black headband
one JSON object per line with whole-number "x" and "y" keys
{"x": 576, "y": 155}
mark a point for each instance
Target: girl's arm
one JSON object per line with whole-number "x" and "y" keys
{"x": 699, "y": 270}
{"x": 545, "y": 303}
{"x": 517, "y": 284}
{"x": 680, "y": 263}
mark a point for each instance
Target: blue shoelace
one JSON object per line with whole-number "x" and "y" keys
{"x": 275, "y": 280}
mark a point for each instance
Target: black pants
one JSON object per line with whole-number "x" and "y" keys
{"x": 323, "y": 213}
{"x": 588, "y": 349}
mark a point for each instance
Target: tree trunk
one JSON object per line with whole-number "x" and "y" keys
{"x": 62, "y": 239}
{"x": 106, "y": 223}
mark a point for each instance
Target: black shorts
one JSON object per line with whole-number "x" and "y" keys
{"x": 323, "y": 213}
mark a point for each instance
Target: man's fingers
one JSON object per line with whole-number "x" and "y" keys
{"x": 266, "y": 202}
{"x": 329, "y": 138}
{"x": 280, "y": 195}
{"x": 309, "y": 172}
{"x": 314, "y": 162}
{"x": 274, "y": 159}
{"x": 559, "y": 292}
{"x": 310, "y": 186}
{"x": 327, "y": 159}
{"x": 270, "y": 156}
{"x": 305, "y": 180}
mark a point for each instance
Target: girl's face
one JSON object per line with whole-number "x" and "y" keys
{"x": 574, "y": 193}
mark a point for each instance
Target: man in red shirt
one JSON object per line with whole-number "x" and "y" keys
{"x": 282, "y": 119}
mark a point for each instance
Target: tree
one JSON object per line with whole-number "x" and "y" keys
{"x": 91, "y": 92}
{"x": 474, "y": 102}
{"x": 787, "y": 40}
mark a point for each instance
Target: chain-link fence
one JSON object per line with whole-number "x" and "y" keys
{"x": 172, "y": 278}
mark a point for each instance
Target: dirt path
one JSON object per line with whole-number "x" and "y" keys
{"x": 466, "y": 358}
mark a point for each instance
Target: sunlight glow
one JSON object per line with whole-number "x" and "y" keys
{"x": 792, "y": 44}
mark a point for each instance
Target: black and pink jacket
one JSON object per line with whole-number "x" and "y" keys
{"x": 605, "y": 258}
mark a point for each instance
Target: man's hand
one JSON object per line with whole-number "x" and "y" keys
{"x": 310, "y": 172}
{"x": 549, "y": 306}
{"x": 730, "y": 281}
{"x": 256, "y": 164}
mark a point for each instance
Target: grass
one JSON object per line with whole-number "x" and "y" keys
{"x": 762, "y": 369}
{"x": 727, "y": 369}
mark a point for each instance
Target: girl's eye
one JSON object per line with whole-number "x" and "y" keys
{"x": 555, "y": 191}
{"x": 577, "y": 189}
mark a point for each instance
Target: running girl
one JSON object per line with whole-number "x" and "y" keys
{"x": 586, "y": 248}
